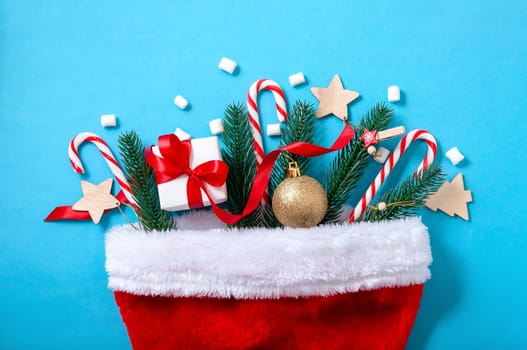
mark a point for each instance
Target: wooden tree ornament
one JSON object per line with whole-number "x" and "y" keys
{"x": 451, "y": 198}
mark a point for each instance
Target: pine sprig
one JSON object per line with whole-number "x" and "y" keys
{"x": 142, "y": 182}
{"x": 239, "y": 156}
{"x": 300, "y": 127}
{"x": 345, "y": 172}
{"x": 377, "y": 118}
{"x": 349, "y": 165}
{"x": 405, "y": 199}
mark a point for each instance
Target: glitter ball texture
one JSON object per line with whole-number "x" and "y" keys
{"x": 300, "y": 202}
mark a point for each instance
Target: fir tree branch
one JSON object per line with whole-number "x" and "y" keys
{"x": 346, "y": 171}
{"x": 142, "y": 182}
{"x": 299, "y": 128}
{"x": 239, "y": 156}
{"x": 349, "y": 165}
{"x": 377, "y": 118}
{"x": 407, "y": 198}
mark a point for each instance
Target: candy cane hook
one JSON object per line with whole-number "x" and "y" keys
{"x": 254, "y": 117}
{"x": 73, "y": 153}
{"x": 403, "y": 145}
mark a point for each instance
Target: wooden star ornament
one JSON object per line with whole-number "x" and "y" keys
{"x": 96, "y": 199}
{"x": 334, "y": 99}
{"x": 451, "y": 198}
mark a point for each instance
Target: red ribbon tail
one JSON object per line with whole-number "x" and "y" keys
{"x": 66, "y": 212}
{"x": 194, "y": 186}
{"x": 266, "y": 167}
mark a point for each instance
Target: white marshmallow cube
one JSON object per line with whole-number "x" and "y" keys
{"x": 394, "y": 93}
{"x": 297, "y": 79}
{"x": 182, "y": 135}
{"x": 381, "y": 154}
{"x": 227, "y": 65}
{"x": 216, "y": 126}
{"x": 181, "y": 102}
{"x": 108, "y": 120}
{"x": 454, "y": 155}
{"x": 273, "y": 130}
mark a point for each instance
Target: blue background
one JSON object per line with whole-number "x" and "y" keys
{"x": 460, "y": 64}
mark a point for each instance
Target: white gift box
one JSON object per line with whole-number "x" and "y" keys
{"x": 173, "y": 194}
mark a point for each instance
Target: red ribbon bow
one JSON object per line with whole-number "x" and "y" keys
{"x": 177, "y": 159}
{"x": 175, "y": 162}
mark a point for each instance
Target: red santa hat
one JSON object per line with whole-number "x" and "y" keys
{"x": 205, "y": 286}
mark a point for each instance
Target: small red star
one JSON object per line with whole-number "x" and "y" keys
{"x": 369, "y": 138}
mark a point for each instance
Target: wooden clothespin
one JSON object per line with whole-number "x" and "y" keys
{"x": 390, "y": 133}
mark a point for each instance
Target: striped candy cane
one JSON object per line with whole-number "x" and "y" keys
{"x": 389, "y": 165}
{"x": 252, "y": 108}
{"x": 73, "y": 153}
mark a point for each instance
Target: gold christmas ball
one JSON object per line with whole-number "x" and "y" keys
{"x": 300, "y": 202}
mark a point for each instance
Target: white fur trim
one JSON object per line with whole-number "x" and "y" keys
{"x": 267, "y": 263}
